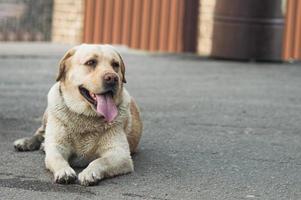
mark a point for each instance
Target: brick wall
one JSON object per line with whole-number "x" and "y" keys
{"x": 205, "y": 27}
{"x": 68, "y": 21}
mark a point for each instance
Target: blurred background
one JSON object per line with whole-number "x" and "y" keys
{"x": 267, "y": 30}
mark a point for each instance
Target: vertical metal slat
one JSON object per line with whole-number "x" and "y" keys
{"x": 99, "y": 21}
{"x": 145, "y": 25}
{"x": 127, "y": 17}
{"x": 181, "y": 24}
{"x": 173, "y": 30}
{"x": 136, "y": 26}
{"x": 164, "y": 26}
{"x": 89, "y": 21}
{"x": 118, "y": 22}
{"x": 155, "y": 24}
{"x": 289, "y": 30}
{"x": 297, "y": 47}
{"x": 108, "y": 18}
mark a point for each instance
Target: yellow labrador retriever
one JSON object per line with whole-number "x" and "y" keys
{"x": 90, "y": 120}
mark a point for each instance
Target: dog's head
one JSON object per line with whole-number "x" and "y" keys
{"x": 92, "y": 78}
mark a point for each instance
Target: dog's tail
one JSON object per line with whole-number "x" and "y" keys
{"x": 34, "y": 142}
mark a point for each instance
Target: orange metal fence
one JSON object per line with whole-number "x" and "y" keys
{"x": 155, "y": 25}
{"x": 292, "y": 36}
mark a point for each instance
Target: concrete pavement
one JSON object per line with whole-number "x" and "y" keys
{"x": 213, "y": 129}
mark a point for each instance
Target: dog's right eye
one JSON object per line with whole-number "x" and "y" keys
{"x": 91, "y": 62}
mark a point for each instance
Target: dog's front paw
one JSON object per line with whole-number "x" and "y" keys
{"x": 27, "y": 144}
{"x": 89, "y": 176}
{"x": 65, "y": 176}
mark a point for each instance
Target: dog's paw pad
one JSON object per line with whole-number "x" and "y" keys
{"x": 65, "y": 176}
{"x": 89, "y": 177}
{"x": 27, "y": 144}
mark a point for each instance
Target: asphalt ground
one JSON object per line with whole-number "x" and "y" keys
{"x": 212, "y": 129}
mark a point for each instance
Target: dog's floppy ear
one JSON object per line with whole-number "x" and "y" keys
{"x": 62, "y": 65}
{"x": 122, "y": 67}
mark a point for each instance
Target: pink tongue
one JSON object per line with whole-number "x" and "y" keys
{"x": 106, "y": 107}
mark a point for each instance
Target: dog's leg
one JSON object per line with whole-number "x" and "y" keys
{"x": 56, "y": 161}
{"x": 114, "y": 161}
{"x": 34, "y": 142}
{"x": 57, "y": 152}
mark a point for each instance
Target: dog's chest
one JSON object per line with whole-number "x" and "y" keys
{"x": 86, "y": 143}
{"x": 88, "y": 138}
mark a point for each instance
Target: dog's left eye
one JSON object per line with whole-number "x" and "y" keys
{"x": 92, "y": 62}
{"x": 115, "y": 64}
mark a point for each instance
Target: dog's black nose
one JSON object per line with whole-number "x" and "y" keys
{"x": 110, "y": 79}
